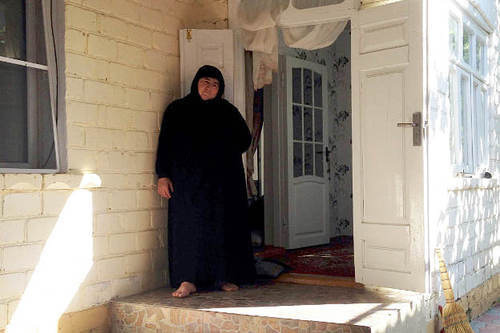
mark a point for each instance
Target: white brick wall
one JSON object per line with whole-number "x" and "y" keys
{"x": 122, "y": 69}
{"x": 464, "y": 212}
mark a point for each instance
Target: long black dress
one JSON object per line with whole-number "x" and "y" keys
{"x": 200, "y": 149}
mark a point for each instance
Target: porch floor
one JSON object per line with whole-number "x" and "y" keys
{"x": 272, "y": 307}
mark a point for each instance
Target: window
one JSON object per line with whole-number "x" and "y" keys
{"x": 468, "y": 95}
{"x": 27, "y": 97}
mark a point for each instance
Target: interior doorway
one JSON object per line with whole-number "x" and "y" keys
{"x": 332, "y": 253}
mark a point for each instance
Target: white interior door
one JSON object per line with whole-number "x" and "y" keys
{"x": 207, "y": 47}
{"x": 306, "y": 118}
{"x": 388, "y": 184}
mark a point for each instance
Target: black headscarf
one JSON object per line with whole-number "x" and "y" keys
{"x": 211, "y": 72}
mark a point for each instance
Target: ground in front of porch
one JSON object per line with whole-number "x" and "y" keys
{"x": 273, "y": 307}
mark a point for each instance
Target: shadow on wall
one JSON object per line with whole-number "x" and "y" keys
{"x": 64, "y": 264}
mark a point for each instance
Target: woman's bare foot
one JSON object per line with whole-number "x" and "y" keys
{"x": 184, "y": 290}
{"x": 229, "y": 287}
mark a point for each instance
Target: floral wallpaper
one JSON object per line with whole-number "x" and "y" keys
{"x": 337, "y": 58}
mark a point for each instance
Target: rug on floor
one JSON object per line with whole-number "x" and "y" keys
{"x": 334, "y": 259}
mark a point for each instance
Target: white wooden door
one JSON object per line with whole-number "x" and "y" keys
{"x": 306, "y": 124}
{"x": 388, "y": 184}
{"x": 207, "y": 47}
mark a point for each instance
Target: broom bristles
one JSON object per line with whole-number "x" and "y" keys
{"x": 454, "y": 318}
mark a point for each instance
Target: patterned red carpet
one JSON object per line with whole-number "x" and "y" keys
{"x": 336, "y": 258}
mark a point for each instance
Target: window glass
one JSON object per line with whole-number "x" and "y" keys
{"x": 21, "y": 31}
{"x": 25, "y": 112}
{"x": 454, "y": 123}
{"x": 480, "y": 56}
{"x": 480, "y": 128}
{"x": 318, "y": 125}
{"x": 467, "y": 45}
{"x": 318, "y": 163}
{"x": 297, "y": 159}
{"x": 297, "y": 122}
{"x": 453, "y": 35}
{"x": 318, "y": 90}
{"x": 465, "y": 125}
{"x": 308, "y": 124}
{"x": 308, "y": 159}
{"x": 307, "y": 87}
{"x": 12, "y": 29}
{"x": 13, "y": 114}
{"x": 297, "y": 85}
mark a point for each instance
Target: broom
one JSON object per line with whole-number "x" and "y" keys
{"x": 454, "y": 317}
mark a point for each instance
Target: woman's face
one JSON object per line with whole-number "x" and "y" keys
{"x": 208, "y": 88}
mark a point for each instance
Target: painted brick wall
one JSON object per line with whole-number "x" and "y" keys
{"x": 122, "y": 70}
{"x": 463, "y": 212}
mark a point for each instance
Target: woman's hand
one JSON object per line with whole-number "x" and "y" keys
{"x": 165, "y": 187}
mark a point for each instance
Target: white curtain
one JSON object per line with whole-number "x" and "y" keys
{"x": 259, "y": 20}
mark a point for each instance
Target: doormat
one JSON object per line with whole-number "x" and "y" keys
{"x": 334, "y": 259}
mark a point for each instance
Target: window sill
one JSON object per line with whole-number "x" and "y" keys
{"x": 467, "y": 183}
{"x": 29, "y": 171}
{"x": 43, "y": 181}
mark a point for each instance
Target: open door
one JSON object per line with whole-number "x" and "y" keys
{"x": 306, "y": 138}
{"x": 388, "y": 158}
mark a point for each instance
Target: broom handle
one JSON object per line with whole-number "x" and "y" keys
{"x": 445, "y": 279}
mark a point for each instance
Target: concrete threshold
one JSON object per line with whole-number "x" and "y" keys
{"x": 273, "y": 307}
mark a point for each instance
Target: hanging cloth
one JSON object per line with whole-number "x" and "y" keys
{"x": 313, "y": 37}
{"x": 259, "y": 21}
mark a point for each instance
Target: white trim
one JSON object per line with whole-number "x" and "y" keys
{"x": 481, "y": 20}
{"x": 24, "y": 63}
{"x": 476, "y": 6}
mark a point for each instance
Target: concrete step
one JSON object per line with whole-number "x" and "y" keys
{"x": 273, "y": 307}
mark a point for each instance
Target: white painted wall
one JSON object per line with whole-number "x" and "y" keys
{"x": 463, "y": 212}
{"x": 122, "y": 70}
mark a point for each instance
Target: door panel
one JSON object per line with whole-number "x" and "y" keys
{"x": 388, "y": 179}
{"x": 383, "y": 183}
{"x": 307, "y": 208}
{"x": 306, "y": 117}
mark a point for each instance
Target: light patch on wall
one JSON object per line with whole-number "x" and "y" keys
{"x": 64, "y": 264}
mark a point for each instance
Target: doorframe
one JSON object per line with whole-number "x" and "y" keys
{"x": 348, "y": 10}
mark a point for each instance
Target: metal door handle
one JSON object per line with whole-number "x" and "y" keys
{"x": 407, "y": 124}
{"x": 416, "y": 124}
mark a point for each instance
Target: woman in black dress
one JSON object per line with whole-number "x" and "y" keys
{"x": 200, "y": 171}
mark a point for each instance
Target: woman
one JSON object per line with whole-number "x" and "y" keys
{"x": 200, "y": 171}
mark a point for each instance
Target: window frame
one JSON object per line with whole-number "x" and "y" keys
{"x": 469, "y": 156}
{"x": 53, "y": 23}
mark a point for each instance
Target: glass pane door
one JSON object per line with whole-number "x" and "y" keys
{"x": 307, "y": 115}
